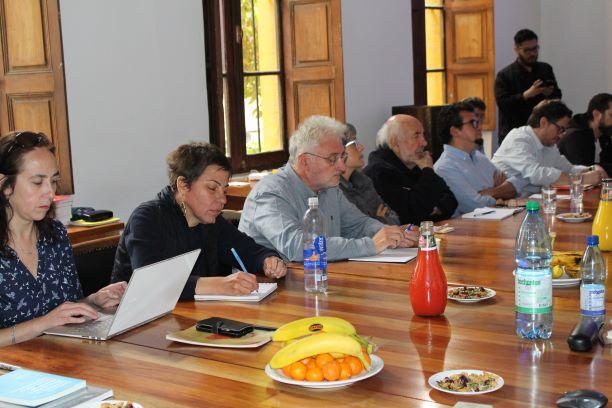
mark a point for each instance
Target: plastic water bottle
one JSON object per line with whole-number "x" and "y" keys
{"x": 593, "y": 284}
{"x": 533, "y": 277}
{"x": 315, "y": 249}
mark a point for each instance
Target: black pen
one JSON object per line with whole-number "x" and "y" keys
{"x": 484, "y": 213}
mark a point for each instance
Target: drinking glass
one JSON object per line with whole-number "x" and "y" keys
{"x": 576, "y": 192}
{"x": 549, "y": 200}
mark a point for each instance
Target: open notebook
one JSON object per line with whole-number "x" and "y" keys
{"x": 394, "y": 255}
{"x": 491, "y": 213}
{"x": 264, "y": 290}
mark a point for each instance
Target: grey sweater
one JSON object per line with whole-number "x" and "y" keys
{"x": 360, "y": 191}
{"x": 274, "y": 209}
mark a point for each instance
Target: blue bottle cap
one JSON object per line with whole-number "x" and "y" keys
{"x": 593, "y": 240}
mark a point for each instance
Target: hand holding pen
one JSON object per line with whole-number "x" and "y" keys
{"x": 242, "y": 282}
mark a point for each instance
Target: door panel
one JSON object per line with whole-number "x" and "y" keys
{"x": 32, "y": 92}
{"x": 470, "y": 53}
{"x": 312, "y": 47}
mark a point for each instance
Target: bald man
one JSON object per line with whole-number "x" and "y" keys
{"x": 403, "y": 175}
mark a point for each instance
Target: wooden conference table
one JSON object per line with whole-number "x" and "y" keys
{"x": 142, "y": 366}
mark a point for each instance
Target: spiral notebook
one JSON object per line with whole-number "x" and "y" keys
{"x": 264, "y": 290}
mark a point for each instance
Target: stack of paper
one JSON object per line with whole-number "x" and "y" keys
{"x": 490, "y": 213}
{"x": 398, "y": 255}
{"x": 264, "y": 290}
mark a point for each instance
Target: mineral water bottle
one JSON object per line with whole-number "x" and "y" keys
{"x": 315, "y": 249}
{"x": 533, "y": 277}
{"x": 593, "y": 284}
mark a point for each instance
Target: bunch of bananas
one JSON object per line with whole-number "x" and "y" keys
{"x": 312, "y": 336}
{"x": 568, "y": 261}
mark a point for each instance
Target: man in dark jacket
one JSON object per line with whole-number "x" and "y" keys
{"x": 403, "y": 173}
{"x": 523, "y": 84}
{"x": 587, "y": 139}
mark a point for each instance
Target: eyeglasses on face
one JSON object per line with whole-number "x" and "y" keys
{"x": 530, "y": 50}
{"x": 352, "y": 142}
{"x": 474, "y": 122}
{"x": 25, "y": 140}
{"x": 560, "y": 129}
{"x": 333, "y": 159}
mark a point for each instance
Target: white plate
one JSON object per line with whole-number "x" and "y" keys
{"x": 490, "y": 292}
{"x": 377, "y": 365}
{"x": 433, "y": 381}
{"x": 566, "y": 218}
{"x": 98, "y": 404}
{"x": 565, "y": 282}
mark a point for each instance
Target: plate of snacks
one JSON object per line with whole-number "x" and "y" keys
{"x": 574, "y": 217}
{"x": 469, "y": 294}
{"x": 565, "y": 267}
{"x": 466, "y": 382}
{"x": 324, "y": 371}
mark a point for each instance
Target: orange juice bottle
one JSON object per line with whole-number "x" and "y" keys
{"x": 602, "y": 224}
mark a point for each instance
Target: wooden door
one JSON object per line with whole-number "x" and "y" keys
{"x": 312, "y": 47}
{"x": 32, "y": 93}
{"x": 470, "y": 53}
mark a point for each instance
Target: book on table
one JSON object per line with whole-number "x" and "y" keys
{"x": 28, "y": 388}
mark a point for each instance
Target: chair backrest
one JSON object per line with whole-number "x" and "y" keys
{"x": 94, "y": 262}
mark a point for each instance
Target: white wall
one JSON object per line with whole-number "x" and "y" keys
{"x": 136, "y": 88}
{"x": 576, "y": 39}
{"x": 377, "y": 48}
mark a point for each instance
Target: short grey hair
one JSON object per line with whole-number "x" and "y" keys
{"x": 389, "y": 129}
{"x": 311, "y": 132}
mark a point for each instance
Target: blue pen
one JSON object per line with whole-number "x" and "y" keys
{"x": 244, "y": 269}
{"x": 409, "y": 227}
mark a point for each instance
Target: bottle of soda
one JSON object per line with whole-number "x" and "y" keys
{"x": 533, "y": 277}
{"x": 593, "y": 284}
{"x": 315, "y": 249}
{"x": 428, "y": 289}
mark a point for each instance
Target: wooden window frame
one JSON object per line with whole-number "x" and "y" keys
{"x": 241, "y": 161}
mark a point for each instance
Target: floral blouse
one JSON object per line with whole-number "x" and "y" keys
{"x": 24, "y": 297}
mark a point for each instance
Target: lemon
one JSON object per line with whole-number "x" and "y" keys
{"x": 557, "y": 271}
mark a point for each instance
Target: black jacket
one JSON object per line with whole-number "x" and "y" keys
{"x": 157, "y": 230}
{"x": 412, "y": 194}
{"x": 578, "y": 144}
{"x": 510, "y": 84}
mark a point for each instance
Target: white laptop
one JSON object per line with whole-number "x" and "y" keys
{"x": 152, "y": 292}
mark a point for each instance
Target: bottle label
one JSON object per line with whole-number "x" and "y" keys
{"x": 427, "y": 242}
{"x": 316, "y": 256}
{"x": 533, "y": 291}
{"x": 593, "y": 300}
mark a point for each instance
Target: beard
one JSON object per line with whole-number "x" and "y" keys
{"x": 605, "y": 130}
{"x": 529, "y": 61}
{"x": 479, "y": 141}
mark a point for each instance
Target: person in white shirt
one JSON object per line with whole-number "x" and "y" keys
{"x": 531, "y": 151}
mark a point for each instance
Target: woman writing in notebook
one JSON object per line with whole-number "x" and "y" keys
{"x": 39, "y": 286}
{"x": 186, "y": 215}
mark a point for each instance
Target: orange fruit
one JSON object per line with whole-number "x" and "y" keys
{"x": 287, "y": 370}
{"x": 306, "y": 361}
{"x": 321, "y": 359}
{"x": 297, "y": 371}
{"x": 345, "y": 371}
{"x": 354, "y": 364}
{"x": 331, "y": 371}
{"x": 314, "y": 374}
{"x": 366, "y": 355}
{"x": 311, "y": 363}
{"x": 340, "y": 359}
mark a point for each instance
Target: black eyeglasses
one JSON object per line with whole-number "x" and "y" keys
{"x": 25, "y": 140}
{"x": 560, "y": 129}
{"x": 333, "y": 160}
{"x": 474, "y": 122}
{"x": 530, "y": 49}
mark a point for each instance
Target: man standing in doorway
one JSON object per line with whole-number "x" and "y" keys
{"x": 523, "y": 84}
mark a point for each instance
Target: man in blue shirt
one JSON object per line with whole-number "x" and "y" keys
{"x": 471, "y": 176}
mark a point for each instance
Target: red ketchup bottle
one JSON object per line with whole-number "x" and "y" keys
{"x": 428, "y": 283}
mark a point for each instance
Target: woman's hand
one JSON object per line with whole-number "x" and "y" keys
{"x": 108, "y": 296}
{"x": 274, "y": 267}
{"x": 239, "y": 283}
{"x": 67, "y": 312}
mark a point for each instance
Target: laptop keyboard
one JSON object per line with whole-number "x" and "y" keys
{"x": 97, "y": 328}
